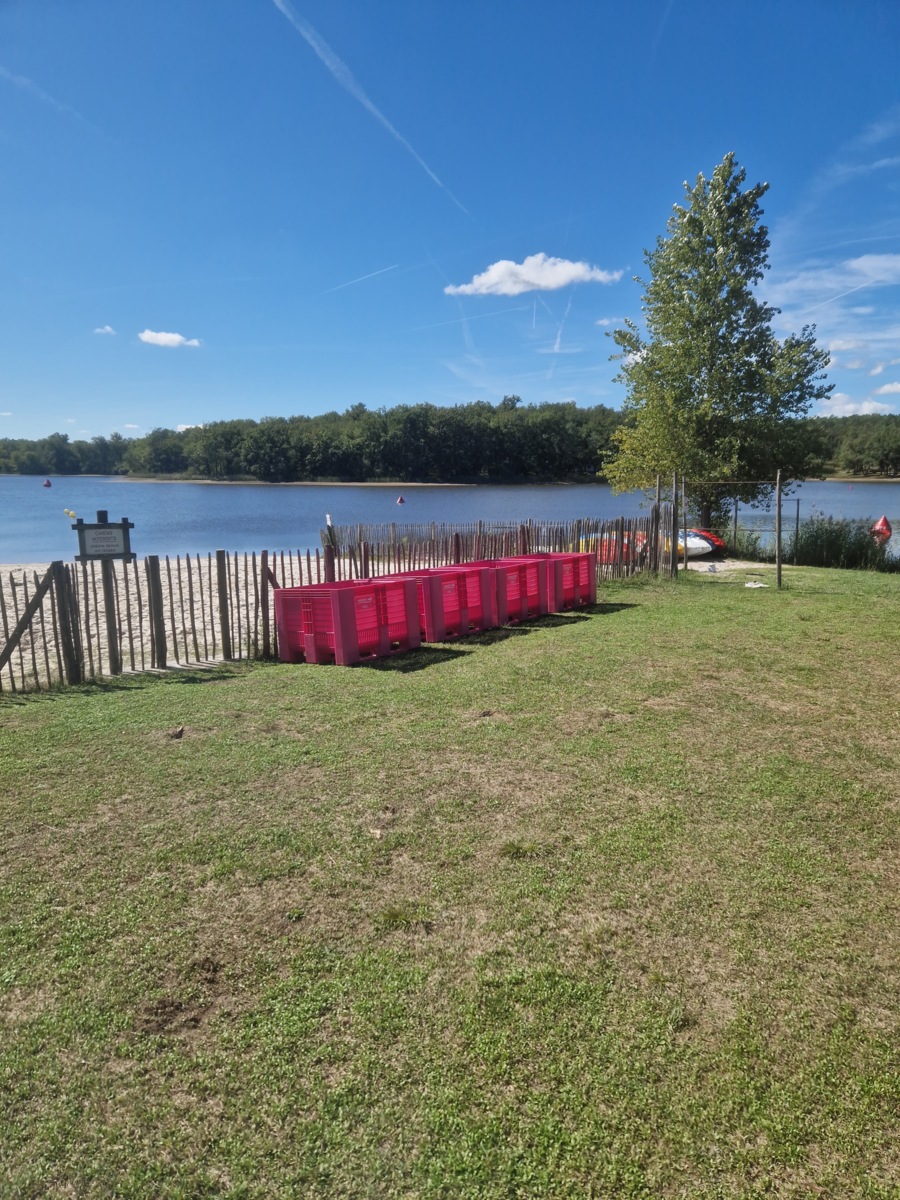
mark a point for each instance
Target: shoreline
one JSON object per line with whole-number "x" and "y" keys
{"x": 371, "y": 483}
{"x": 588, "y": 481}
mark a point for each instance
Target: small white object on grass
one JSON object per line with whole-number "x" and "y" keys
{"x": 755, "y": 583}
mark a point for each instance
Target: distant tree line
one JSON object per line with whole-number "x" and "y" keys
{"x": 859, "y": 445}
{"x": 421, "y": 443}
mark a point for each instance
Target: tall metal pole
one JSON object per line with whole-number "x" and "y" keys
{"x": 778, "y": 529}
{"x": 684, "y": 516}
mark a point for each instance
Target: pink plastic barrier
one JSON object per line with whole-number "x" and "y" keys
{"x": 521, "y": 587}
{"x": 571, "y": 580}
{"x": 347, "y": 622}
{"x": 442, "y": 602}
{"x": 480, "y": 588}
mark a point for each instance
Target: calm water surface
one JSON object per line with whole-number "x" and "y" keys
{"x": 194, "y": 518}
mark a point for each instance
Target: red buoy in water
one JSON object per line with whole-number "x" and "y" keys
{"x": 881, "y": 531}
{"x": 400, "y": 500}
{"x": 46, "y": 483}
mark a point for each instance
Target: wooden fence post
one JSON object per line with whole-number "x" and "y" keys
{"x": 329, "y": 564}
{"x": 25, "y": 620}
{"x": 112, "y": 623}
{"x": 66, "y": 617}
{"x": 224, "y": 622}
{"x": 157, "y": 611}
{"x": 264, "y": 601}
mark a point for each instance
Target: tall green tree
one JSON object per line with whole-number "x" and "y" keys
{"x": 712, "y": 393}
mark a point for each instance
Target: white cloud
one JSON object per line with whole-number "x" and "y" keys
{"x": 877, "y": 369}
{"x": 131, "y": 426}
{"x": 839, "y": 404}
{"x": 5, "y": 414}
{"x": 167, "y": 339}
{"x": 888, "y": 389}
{"x": 70, "y": 420}
{"x": 182, "y": 428}
{"x": 604, "y": 321}
{"x": 536, "y": 273}
{"x": 105, "y": 329}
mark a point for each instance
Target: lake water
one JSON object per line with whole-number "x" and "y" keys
{"x": 194, "y": 518}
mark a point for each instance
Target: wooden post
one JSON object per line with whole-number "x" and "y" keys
{"x": 112, "y": 624}
{"x": 25, "y": 620}
{"x": 797, "y": 532}
{"x": 222, "y": 581}
{"x": 778, "y": 529}
{"x": 457, "y": 551}
{"x": 735, "y": 530}
{"x": 66, "y": 617}
{"x": 264, "y": 603}
{"x": 620, "y": 545}
{"x": 157, "y": 610}
{"x": 329, "y": 564}
{"x": 674, "y": 530}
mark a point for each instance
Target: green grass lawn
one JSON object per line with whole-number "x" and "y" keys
{"x": 605, "y": 905}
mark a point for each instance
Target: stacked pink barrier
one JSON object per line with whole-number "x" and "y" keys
{"x": 354, "y": 620}
{"x": 347, "y": 622}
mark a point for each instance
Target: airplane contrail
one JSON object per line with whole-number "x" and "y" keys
{"x": 479, "y": 317}
{"x": 350, "y": 282}
{"x": 841, "y": 295}
{"x": 28, "y": 85}
{"x": 347, "y": 80}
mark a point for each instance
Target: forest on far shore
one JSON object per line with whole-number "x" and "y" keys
{"x": 477, "y": 442}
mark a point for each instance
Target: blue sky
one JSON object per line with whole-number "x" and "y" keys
{"x": 267, "y": 207}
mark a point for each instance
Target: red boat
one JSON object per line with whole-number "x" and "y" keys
{"x": 717, "y": 543}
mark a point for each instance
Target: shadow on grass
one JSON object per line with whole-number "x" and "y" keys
{"x": 413, "y": 660}
{"x": 214, "y": 673}
{"x": 131, "y": 682}
{"x": 61, "y": 691}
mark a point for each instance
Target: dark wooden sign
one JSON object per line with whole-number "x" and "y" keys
{"x": 104, "y": 540}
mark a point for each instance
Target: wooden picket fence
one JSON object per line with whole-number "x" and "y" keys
{"x": 81, "y": 622}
